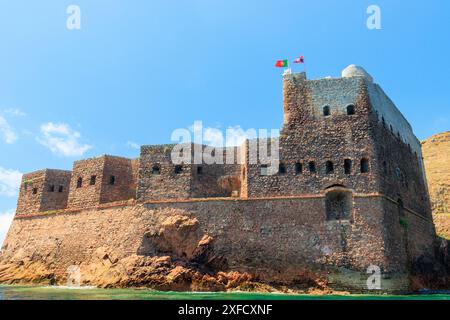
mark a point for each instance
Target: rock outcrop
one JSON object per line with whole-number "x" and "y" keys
{"x": 436, "y": 153}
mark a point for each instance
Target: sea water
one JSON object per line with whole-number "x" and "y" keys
{"x": 92, "y": 293}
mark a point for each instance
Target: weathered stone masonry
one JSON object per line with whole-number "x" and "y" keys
{"x": 350, "y": 192}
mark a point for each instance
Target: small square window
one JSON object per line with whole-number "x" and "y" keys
{"x": 264, "y": 170}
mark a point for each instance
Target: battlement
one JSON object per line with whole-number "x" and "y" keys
{"x": 337, "y": 132}
{"x": 43, "y": 190}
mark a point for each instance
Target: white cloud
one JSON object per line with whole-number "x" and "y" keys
{"x": 8, "y": 134}
{"x": 62, "y": 140}
{"x": 9, "y": 182}
{"x": 133, "y": 145}
{"x": 15, "y": 112}
{"x": 5, "y": 222}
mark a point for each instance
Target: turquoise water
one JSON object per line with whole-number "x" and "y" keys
{"x": 66, "y": 293}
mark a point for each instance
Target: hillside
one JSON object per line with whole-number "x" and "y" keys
{"x": 436, "y": 153}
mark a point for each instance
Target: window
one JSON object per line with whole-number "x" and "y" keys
{"x": 156, "y": 169}
{"x": 385, "y": 167}
{"x": 264, "y": 170}
{"x": 347, "y": 166}
{"x": 282, "y": 168}
{"x": 199, "y": 170}
{"x": 92, "y": 181}
{"x": 326, "y": 111}
{"x": 60, "y": 189}
{"x": 298, "y": 168}
{"x": 384, "y": 122}
{"x": 178, "y": 169}
{"x": 338, "y": 205}
{"x": 400, "y": 208}
{"x": 112, "y": 180}
{"x": 34, "y": 190}
{"x": 350, "y": 109}
{"x": 79, "y": 182}
{"x": 364, "y": 165}
{"x": 392, "y": 129}
{"x": 312, "y": 166}
{"x": 329, "y": 167}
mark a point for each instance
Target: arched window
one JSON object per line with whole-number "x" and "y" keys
{"x": 338, "y": 204}
{"x": 156, "y": 169}
{"x": 364, "y": 165}
{"x": 112, "y": 180}
{"x": 60, "y": 189}
{"x": 383, "y": 121}
{"x": 329, "y": 167}
{"x": 326, "y": 111}
{"x": 298, "y": 168}
{"x": 282, "y": 168}
{"x": 312, "y": 166}
{"x": 51, "y": 188}
{"x": 347, "y": 166}
{"x": 350, "y": 109}
{"x": 79, "y": 182}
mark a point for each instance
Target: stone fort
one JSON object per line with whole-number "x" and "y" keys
{"x": 350, "y": 190}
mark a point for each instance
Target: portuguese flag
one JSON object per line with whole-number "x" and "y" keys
{"x": 281, "y": 63}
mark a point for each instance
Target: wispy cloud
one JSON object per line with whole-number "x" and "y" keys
{"x": 9, "y": 182}
{"x": 7, "y": 133}
{"x": 5, "y": 222}
{"x": 62, "y": 140}
{"x": 15, "y": 112}
{"x": 133, "y": 145}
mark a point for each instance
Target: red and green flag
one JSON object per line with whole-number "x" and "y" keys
{"x": 281, "y": 63}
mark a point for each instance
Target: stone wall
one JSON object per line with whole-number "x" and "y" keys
{"x": 308, "y": 136}
{"x": 31, "y": 190}
{"x": 85, "y": 184}
{"x": 56, "y": 190}
{"x": 103, "y": 179}
{"x": 158, "y": 178}
{"x": 272, "y": 239}
{"x": 119, "y": 180}
{"x": 43, "y": 190}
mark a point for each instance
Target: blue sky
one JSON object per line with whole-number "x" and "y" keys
{"x": 137, "y": 70}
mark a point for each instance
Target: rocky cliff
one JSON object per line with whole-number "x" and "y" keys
{"x": 436, "y": 153}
